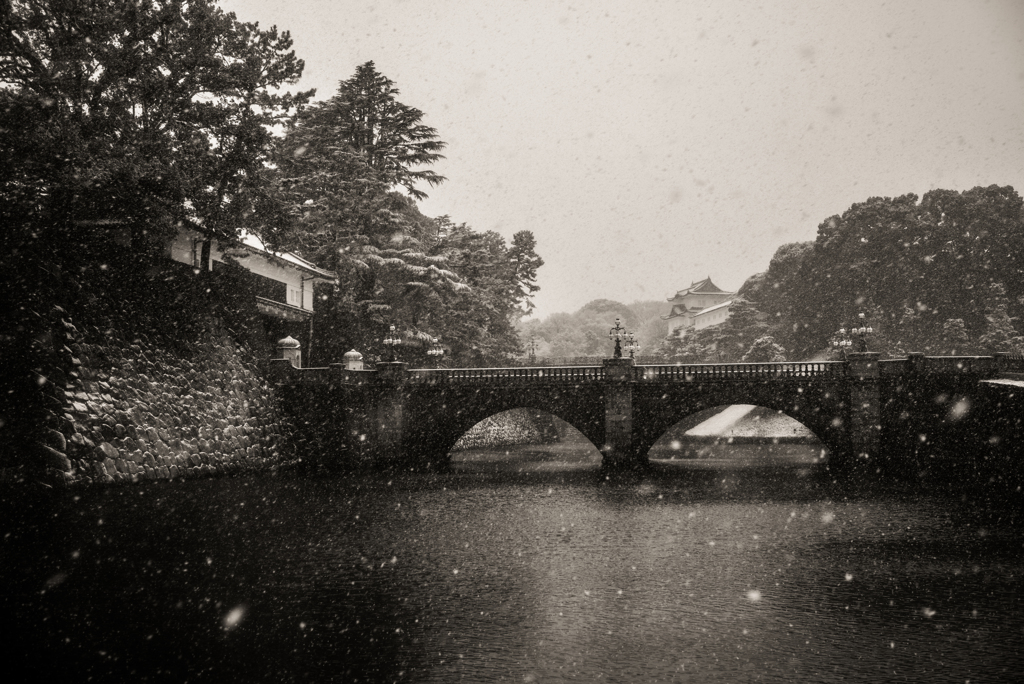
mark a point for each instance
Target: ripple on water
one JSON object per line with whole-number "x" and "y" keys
{"x": 517, "y": 576}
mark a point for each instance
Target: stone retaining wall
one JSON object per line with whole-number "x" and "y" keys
{"x": 125, "y": 411}
{"x": 503, "y": 429}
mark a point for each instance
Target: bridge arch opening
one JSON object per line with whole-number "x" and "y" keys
{"x": 740, "y": 436}
{"x": 523, "y": 440}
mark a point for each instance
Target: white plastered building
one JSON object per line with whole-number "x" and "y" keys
{"x": 699, "y": 306}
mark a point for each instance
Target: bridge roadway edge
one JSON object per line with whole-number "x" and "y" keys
{"x": 911, "y": 419}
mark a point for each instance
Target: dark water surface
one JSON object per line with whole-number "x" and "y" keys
{"x": 519, "y": 570}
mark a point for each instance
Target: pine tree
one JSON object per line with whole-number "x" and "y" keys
{"x": 525, "y": 262}
{"x": 364, "y": 117}
{"x": 764, "y": 350}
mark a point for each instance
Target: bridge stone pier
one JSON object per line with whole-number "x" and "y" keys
{"x": 864, "y": 426}
{"x": 618, "y": 449}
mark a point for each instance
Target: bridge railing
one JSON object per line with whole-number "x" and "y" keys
{"x": 352, "y": 377}
{"x": 982, "y": 366}
{"x": 1010, "y": 363}
{"x": 967, "y": 365}
{"x": 304, "y": 376}
{"x": 733, "y": 372}
{"x": 552, "y": 361}
{"x": 893, "y": 367}
{"x": 1005, "y": 365}
{"x": 564, "y": 374}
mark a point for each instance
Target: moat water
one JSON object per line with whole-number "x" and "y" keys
{"x": 527, "y": 566}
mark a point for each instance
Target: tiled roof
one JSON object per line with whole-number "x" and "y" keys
{"x": 700, "y": 287}
{"x": 254, "y": 243}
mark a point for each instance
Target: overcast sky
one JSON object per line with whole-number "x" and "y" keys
{"x": 649, "y": 144}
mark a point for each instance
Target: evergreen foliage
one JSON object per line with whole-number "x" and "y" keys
{"x": 338, "y": 167}
{"x": 727, "y": 342}
{"x": 363, "y": 119}
{"x": 525, "y": 262}
{"x": 124, "y": 122}
{"x": 136, "y": 116}
{"x": 942, "y": 275}
{"x": 764, "y": 350}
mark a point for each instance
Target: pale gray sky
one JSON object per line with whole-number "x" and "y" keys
{"x": 648, "y": 144}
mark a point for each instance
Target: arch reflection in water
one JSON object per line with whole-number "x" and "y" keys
{"x": 524, "y": 440}
{"x": 738, "y": 436}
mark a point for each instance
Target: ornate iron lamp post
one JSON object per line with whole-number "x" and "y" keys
{"x": 533, "y": 350}
{"x": 618, "y": 333}
{"x": 863, "y": 331}
{"x": 843, "y": 340}
{"x": 632, "y": 345}
{"x": 840, "y": 343}
{"x": 391, "y": 341}
{"x": 436, "y": 351}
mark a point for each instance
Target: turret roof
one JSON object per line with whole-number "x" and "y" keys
{"x": 702, "y": 287}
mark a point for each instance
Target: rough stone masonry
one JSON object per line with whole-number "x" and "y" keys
{"x": 128, "y": 410}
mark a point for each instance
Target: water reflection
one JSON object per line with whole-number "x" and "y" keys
{"x": 495, "y": 572}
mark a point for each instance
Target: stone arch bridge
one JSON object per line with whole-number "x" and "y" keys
{"x": 871, "y": 414}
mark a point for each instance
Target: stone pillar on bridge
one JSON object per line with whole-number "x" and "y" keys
{"x": 865, "y": 410}
{"x": 389, "y": 418}
{"x": 618, "y": 414}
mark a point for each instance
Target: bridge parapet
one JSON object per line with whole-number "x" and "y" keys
{"x": 981, "y": 366}
{"x": 558, "y": 374}
{"x": 961, "y": 365}
{"x": 739, "y": 372}
{"x": 1010, "y": 365}
{"x": 893, "y": 367}
{"x": 282, "y": 372}
{"x": 351, "y": 377}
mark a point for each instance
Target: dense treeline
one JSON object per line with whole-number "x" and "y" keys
{"x": 124, "y": 122}
{"x": 584, "y": 333}
{"x": 940, "y": 274}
